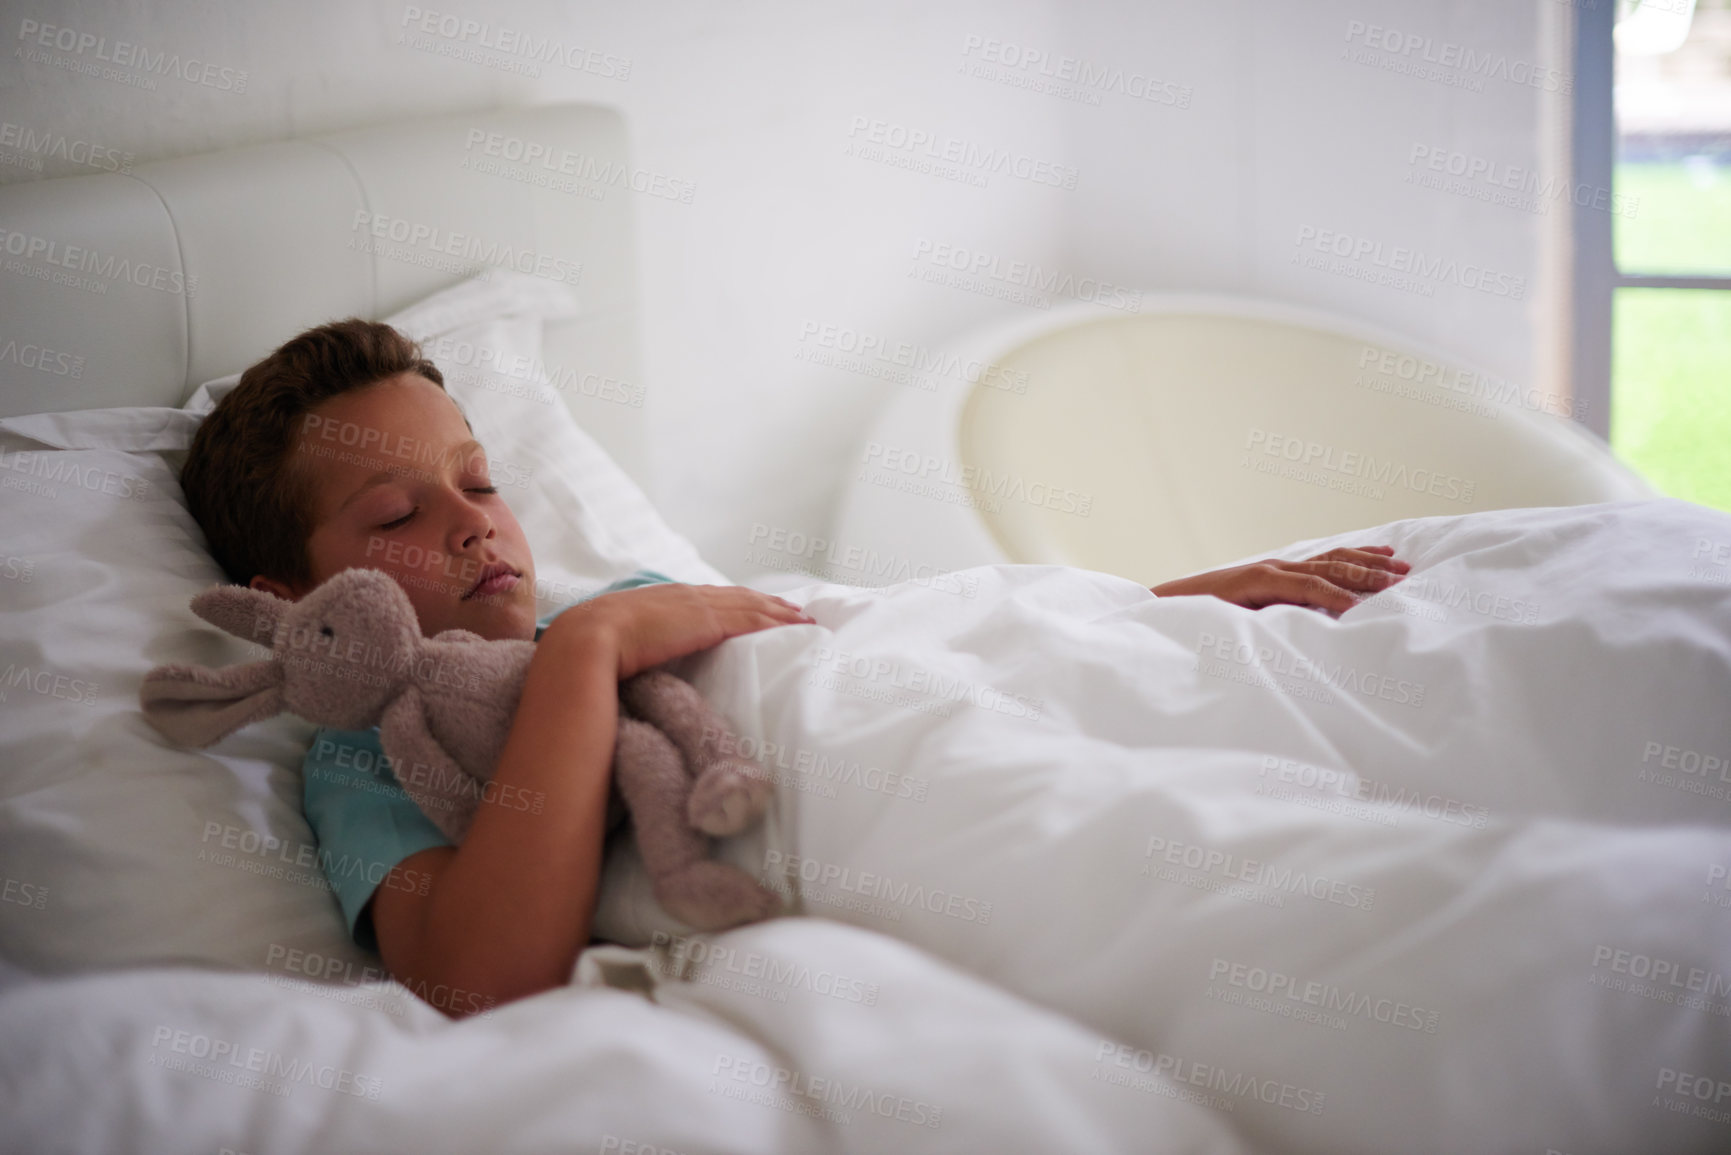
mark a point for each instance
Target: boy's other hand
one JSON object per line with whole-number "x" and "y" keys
{"x": 1332, "y": 581}
{"x": 654, "y": 624}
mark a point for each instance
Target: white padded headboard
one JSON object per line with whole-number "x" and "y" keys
{"x": 120, "y": 289}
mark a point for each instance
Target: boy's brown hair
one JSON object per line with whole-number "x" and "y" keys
{"x": 241, "y": 479}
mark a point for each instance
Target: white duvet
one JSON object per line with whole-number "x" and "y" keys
{"x": 1447, "y": 874}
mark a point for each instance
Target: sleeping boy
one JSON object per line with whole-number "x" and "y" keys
{"x": 504, "y": 914}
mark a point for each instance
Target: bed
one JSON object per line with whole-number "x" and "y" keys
{"x": 1067, "y": 867}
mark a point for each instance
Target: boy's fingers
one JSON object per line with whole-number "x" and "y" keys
{"x": 1322, "y": 592}
{"x": 780, "y": 611}
{"x": 745, "y": 595}
{"x": 1351, "y": 576}
{"x": 788, "y": 609}
{"x": 1373, "y": 557}
{"x": 1369, "y": 555}
{"x": 1293, "y": 587}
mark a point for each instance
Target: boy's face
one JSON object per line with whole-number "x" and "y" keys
{"x": 399, "y": 484}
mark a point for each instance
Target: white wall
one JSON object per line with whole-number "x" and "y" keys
{"x": 1285, "y": 134}
{"x": 754, "y": 102}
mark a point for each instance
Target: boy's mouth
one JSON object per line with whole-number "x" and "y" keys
{"x": 496, "y": 579}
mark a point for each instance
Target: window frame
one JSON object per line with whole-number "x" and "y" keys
{"x": 1592, "y": 159}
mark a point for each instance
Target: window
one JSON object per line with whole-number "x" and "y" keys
{"x": 1653, "y": 257}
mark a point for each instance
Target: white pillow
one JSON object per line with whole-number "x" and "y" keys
{"x": 133, "y": 852}
{"x": 117, "y": 849}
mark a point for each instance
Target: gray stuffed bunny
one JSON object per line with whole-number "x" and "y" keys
{"x": 350, "y": 655}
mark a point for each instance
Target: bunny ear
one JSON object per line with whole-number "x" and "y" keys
{"x": 197, "y": 706}
{"x": 246, "y": 613}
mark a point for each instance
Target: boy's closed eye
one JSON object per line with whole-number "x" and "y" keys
{"x": 404, "y": 520}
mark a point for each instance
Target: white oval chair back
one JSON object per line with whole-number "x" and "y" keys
{"x": 1195, "y": 432}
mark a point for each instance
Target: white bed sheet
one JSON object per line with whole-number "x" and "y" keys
{"x": 1460, "y": 887}
{"x": 764, "y": 1056}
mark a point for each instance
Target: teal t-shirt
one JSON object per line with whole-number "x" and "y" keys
{"x": 365, "y": 822}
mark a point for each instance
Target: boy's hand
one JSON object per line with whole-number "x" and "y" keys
{"x": 1329, "y": 581}
{"x": 654, "y": 624}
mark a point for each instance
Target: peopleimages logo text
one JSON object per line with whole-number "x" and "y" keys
{"x": 1457, "y": 57}
{"x": 1409, "y": 263}
{"x": 124, "y": 54}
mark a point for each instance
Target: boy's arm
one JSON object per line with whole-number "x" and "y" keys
{"x": 505, "y": 914}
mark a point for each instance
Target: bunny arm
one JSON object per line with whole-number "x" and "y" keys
{"x": 649, "y": 774}
{"x": 676, "y": 708}
{"x": 728, "y": 791}
{"x": 707, "y": 895}
{"x": 446, "y": 794}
